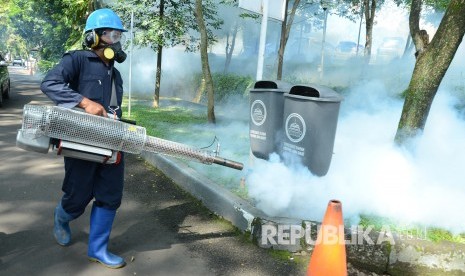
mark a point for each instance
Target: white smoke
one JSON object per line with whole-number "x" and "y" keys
{"x": 178, "y": 67}
{"x": 368, "y": 173}
{"x": 372, "y": 176}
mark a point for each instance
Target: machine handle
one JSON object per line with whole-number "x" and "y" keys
{"x": 124, "y": 120}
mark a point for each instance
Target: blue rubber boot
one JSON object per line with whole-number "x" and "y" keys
{"x": 61, "y": 229}
{"x": 101, "y": 221}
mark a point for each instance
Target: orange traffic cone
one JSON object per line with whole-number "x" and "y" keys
{"x": 329, "y": 255}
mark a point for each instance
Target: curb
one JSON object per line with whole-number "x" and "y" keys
{"x": 216, "y": 198}
{"x": 395, "y": 255}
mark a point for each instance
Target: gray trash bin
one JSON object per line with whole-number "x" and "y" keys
{"x": 310, "y": 121}
{"x": 266, "y": 117}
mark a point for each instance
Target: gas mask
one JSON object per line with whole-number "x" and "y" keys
{"x": 114, "y": 51}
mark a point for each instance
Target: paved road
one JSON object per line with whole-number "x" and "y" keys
{"x": 159, "y": 229}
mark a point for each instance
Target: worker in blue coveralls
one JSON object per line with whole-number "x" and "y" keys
{"x": 88, "y": 79}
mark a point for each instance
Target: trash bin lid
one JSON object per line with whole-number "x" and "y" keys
{"x": 315, "y": 92}
{"x": 271, "y": 85}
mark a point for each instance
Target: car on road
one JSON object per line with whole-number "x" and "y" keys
{"x": 18, "y": 61}
{"x": 346, "y": 51}
{"x": 308, "y": 50}
{"x": 4, "y": 80}
{"x": 391, "y": 48}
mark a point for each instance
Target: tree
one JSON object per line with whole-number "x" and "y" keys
{"x": 158, "y": 24}
{"x": 230, "y": 28}
{"x": 285, "y": 30}
{"x": 229, "y": 48}
{"x": 5, "y": 27}
{"x": 204, "y": 57}
{"x": 310, "y": 12}
{"x": 431, "y": 66}
{"x": 51, "y": 26}
{"x": 414, "y": 20}
{"x": 370, "y": 10}
{"x": 351, "y": 9}
{"x": 159, "y": 59}
{"x": 166, "y": 23}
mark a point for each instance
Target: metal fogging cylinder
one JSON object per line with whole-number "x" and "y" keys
{"x": 67, "y": 124}
{"x": 75, "y": 126}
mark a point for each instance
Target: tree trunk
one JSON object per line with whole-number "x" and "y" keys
{"x": 97, "y": 4}
{"x": 414, "y": 25}
{"x": 285, "y": 30}
{"x": 230, "y": 47}
{"x": 408, "y": 47}
{"x": 282, "y": 43}
{"x": 156, "y": 96}
{"x": 200, "y": 91}
{"x": 370, "y": 9}
{"x": 430, "y": 68}
{"x": 205, "y": 65}
{"x": 90, "y": 7}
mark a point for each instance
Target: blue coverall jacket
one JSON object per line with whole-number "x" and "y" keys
{"x": 83, "y": 74}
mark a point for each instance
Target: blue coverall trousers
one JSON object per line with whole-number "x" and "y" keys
{"x": 85, "y": 180}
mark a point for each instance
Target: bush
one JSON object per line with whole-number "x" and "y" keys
{"x": 226, "y": 85}
{"x": 44, "y": 65}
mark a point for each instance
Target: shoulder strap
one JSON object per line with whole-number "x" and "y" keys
{"x": 113, "y": 99}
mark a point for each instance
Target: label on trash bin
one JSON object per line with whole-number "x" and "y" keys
{"x": 295, "y": 127}
{"x": 258, "y": 134}
{"x": 258, "y": 112}
{"x": 293, "y": 149}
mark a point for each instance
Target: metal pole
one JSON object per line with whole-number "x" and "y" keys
{"x": 300, "y": 38}
{"x": 360, "y": 28}
{"x": 323, "y": 44}
{"x": 130, "y": 64}
{"x": 261, "y": 48}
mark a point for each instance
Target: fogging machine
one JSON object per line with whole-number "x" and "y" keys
{"x": 95, "y": 138}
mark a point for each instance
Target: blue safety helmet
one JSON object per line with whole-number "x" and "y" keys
{"x": 103, "y": 18}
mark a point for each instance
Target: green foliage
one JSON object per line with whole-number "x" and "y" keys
{"x": 413, "y": 231}
{"x": 173, "y": 28}
{"x": 227, "y": 85}
{"x": 282, "y": 255}
{"x": 51, "y": 26}
{"x": 45, "y": 65}
{"x": 230, "y": 85}
{"x": 437, "y": 235}
{"x": 437, "y": 5}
